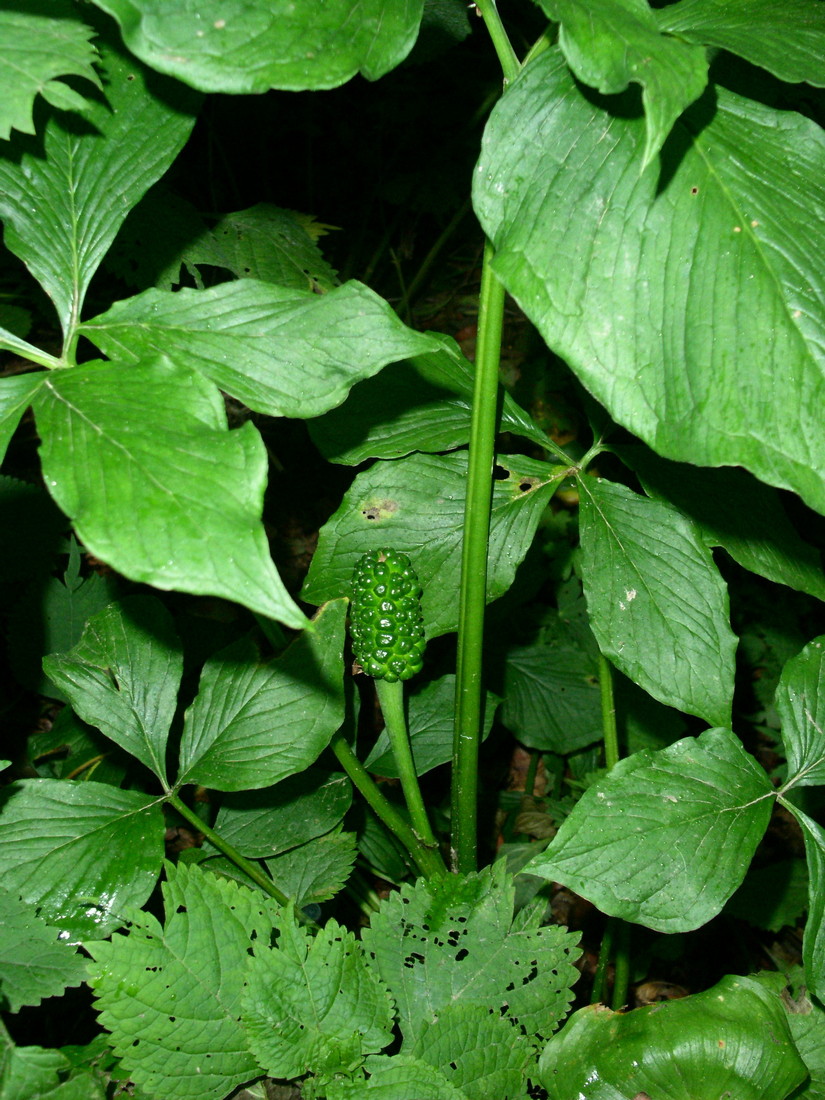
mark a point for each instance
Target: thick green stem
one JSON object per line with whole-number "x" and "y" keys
{"x": 611, "y": 737}
{"x": 252, "y": 870}
{"x": 597, "y": 995}
{"x": 472, "y": 598}
{"x": 428, "y": 860}
{"x": 617, "y": 933}
{"x": 621, "y": 966}
{"x": 498, "y": 35}
{"x": 391, "y": 698}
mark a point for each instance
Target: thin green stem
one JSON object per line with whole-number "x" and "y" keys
{"x": 431, "y": 257}
{"x": 611, "y": 737}
{"x": 252, "y": 870}
{"x": 621, "y": 966}
{"x": 617, "y": 933}
{"x": 600, "y": 977}
{"x": 391, "y": 698}
{"x": 508, "y": 60}
{"x": 472, "y": 597}
{"x": 428, "y": 860}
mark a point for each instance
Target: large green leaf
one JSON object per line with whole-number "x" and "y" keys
{"x": 123, "y": 677}
{"x": 477, "y": 1050}
{"x": 252, "y": 725}
{"x": 787, "y": 39}
{"x": 16, "y": 395}
{"x": 268, "y": 243}
{"x": 254, "y": 45}
{"x": 396, "y": 1075}
{"x": 316, "y": 871}
{"x": 731, "y": 1041}
{"x": 33, "y": 964}
{"x": 82, "y": 852}
{"x": 800, "y": 702}
{"x": 312, "y": 1003}
{"x": 657, "y": 604}
{"x": 734, "y": 510}
{"x": 608, "y": 43}
{"x": 813, "y": 948}
{"x": 688, "y": 299}
{"x": 266, "y": 822}
{"x": 552, "y": 700}
{"x": 666, "y": 837}
{"x": 416, "y": 505}
{"x": 171, "y": 995}
{"x": 62, "y": 210}
{"x": 454, "y": 940}
{"x": 36, "y": 47}
{"x": 280, "y": 351}
{"x": 806, "y": 1019}
{"x": 32, "y": 1073}
{"x": 140, "y": 458}
{"x": 50, "y": 616}
{"x": 422, "y": 404}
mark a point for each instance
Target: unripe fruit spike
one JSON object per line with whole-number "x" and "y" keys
{"x": 386, "y": 624}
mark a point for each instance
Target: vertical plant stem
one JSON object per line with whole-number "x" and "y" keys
{"x": 617, "y": 933}
{"x": 252, "y": 870}
{"x": 473, "y": 592}
{"x": 621, "y": 965}
{"x": 428, "y": 860}
{"x": 600, "y": 977}
{"x": 610, "y": 734}
{"x": 498, "y": 36}
{"x": 391, "y": 698}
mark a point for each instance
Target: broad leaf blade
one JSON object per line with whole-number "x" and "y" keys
{"x": 171, "y": 996}
{"x": 477, "y": 1050}
{"x": 280, "y": 351}
{"x": 316, "y": 871}
{"x": 50, "y": 616}
{"x": 396, "y": 1075}
{"x": 33, "y": 964}
{"x": 267, "y": 243}
{"x": 788, "y": 39}
{"x": 313, "y": 1003}
{"x": 254, "y": 45}
{"x": 702, "y": 1047}
{"x": 264, "y": 823}
{"x": 62, "y": 211}
{"x": 251, "y": 725}
{"x": 734, "y": 510}
{"x": 82, "y": 852}
{"x": 813, "y": 947}
{"x": 608, "y": 43}
{"x": 422, "y": 404}
{"x": 657, "y": 604}
{"x": 140, "y": 459}
{"x": 665, "y": 838}
{"x": 688, "y": 301}
{"x": 552, "y": 700}
{"x": 37, "y": 47}
{"x": 453, "y": 940}
{"x": 800, "y": 702}
{"x": 123, "y": 677}
{"x": 16, "y": 394}
{"x": 416, "y": 505}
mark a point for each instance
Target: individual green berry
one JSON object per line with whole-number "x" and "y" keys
{"x": 386, "y": 624}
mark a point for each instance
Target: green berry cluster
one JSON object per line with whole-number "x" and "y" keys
{"x": 385, "y": 616}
